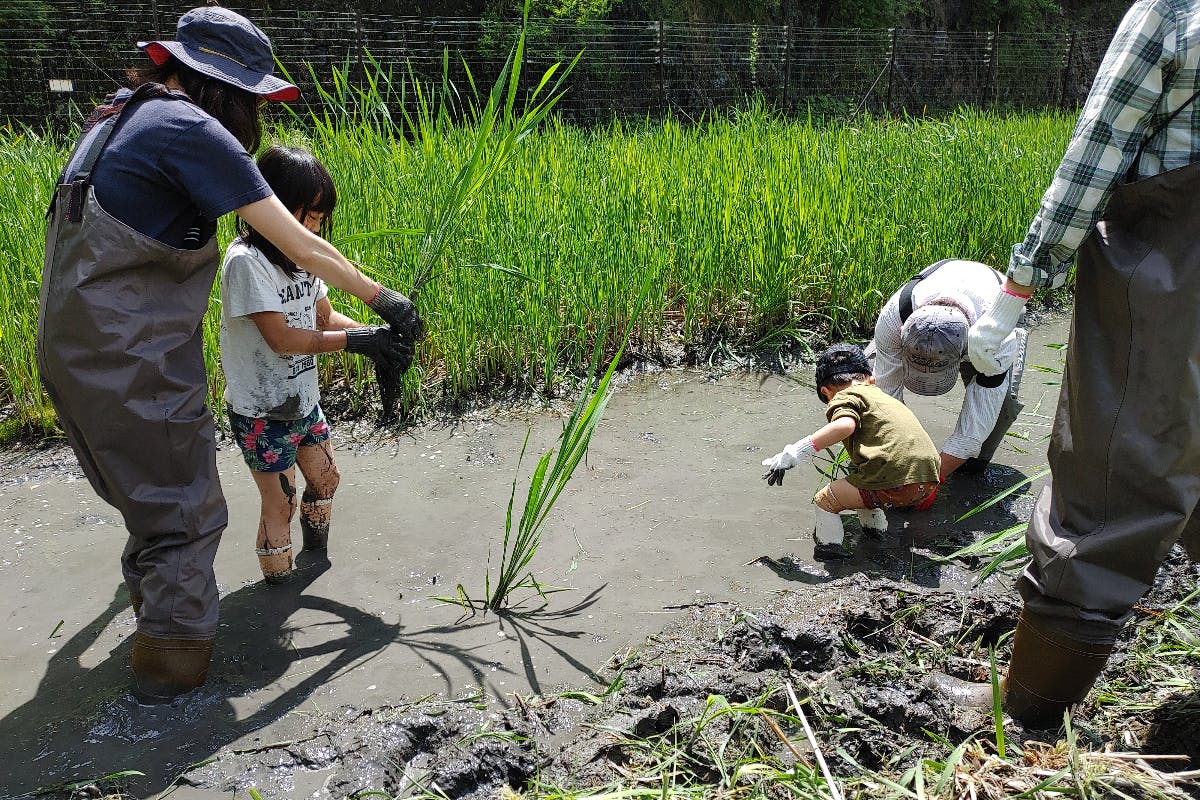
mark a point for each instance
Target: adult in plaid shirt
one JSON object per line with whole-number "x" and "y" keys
{"x": 1125, "y": 451}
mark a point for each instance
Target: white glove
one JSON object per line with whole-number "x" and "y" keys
{"x": 788, "y": 458}
{"x": 991, "y": 343}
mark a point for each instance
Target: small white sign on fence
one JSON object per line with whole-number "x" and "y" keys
{"x": 62, "y": 85}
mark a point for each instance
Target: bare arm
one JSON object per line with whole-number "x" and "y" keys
{"x": 330, "y": 320}
{"x": 834, "y": 432}
{"x": 288, "y": 341}
{"x": 310, "y": 252}
{"x": 949, "y": 464}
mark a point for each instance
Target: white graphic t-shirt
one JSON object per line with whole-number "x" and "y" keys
{"x": 259, "y": 381}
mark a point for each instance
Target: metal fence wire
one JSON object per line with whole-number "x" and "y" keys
{"x": 56, "y": 65}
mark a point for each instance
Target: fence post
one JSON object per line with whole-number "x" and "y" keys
{"x": 992, "y": 91}
{"x": 359, "y": 45}
{"x": 662, "y": 81}
{"x": 787, "y": 64}
{"x": 887, "y": 98}
{"x": 1066, "y": 73}
{"x": 157, "y": 24}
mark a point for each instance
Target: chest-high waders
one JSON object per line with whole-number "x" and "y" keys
{"x": 1012, "y": 406}
{"x": 120, "y": 352}
{"x": 1125, "y": 450}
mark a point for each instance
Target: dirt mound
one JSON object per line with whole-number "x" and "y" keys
{"x": 707, "y": 695}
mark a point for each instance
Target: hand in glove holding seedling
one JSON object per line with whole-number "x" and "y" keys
{"x": 991, "y": 343}
{"x": 378, "y": 341}
{"x": 399, "y": 312}
{"x": 789, "y": 457}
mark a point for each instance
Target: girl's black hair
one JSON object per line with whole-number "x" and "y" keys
{"x": 301, "y": 183}
{"x": 236, "y": 109}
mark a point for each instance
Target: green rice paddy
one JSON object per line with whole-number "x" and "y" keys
{"x": 752, "y": 229}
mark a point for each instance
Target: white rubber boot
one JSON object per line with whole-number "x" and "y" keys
{"x": 829, "y": 536}
{"x": 873, "y": 520}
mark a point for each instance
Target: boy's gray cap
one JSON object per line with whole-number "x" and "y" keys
{"x": 932, "y": 343}
{"x": 223, "y": 44}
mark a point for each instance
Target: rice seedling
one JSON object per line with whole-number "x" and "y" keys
{"x": 1001, "y": 548}
{"x": 550, "y": 477}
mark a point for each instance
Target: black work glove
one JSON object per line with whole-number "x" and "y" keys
{"x": 400, "y": 313}
{"x": 774, "y": 477}
{"x": 378, "y": 342}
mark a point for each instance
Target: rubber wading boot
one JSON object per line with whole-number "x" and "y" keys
{"x": 873, "y": 520}
{"x": 829, "y": 535}
{"x": 163, "y": 669}
{"x": 1049, "y": 672}
{"x": 314, "y": 523}
{"x": 276, "y": 563}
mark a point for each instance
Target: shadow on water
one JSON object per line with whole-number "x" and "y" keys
{"x": 536, "y": 625}
{"x": 83, "y": 724}
{"x": 909, "y": 550}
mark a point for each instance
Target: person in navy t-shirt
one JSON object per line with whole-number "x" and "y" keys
{"x": 131, "y": 257}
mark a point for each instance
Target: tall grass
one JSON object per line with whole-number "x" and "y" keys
{"x": 752, "y": 228}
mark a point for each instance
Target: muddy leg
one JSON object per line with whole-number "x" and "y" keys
{"x": 274, "y": 542}
{"x": 321, "y": 478}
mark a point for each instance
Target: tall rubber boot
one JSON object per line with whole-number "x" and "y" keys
{"x": 829, "y": 535}
{"x": 873, "y": 520}
{"x": 163, "y": 669}
{"x": 1049, "y": 673}
{"x": 315, "y": 516}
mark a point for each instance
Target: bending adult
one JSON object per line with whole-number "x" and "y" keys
{"x": 131, "y": 255}
{"x": 1125, "y": 447}
{"x": 921, "y": 345}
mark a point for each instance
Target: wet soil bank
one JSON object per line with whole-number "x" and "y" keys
{"x": 689, "y": 577}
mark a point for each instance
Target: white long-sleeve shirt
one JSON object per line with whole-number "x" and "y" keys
{"x": 972, "y": 286}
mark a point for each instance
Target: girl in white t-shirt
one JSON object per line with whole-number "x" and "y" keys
{"x": 275, "y": 319}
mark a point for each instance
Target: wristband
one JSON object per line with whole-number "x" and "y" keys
{"x": 1006, "y": 290}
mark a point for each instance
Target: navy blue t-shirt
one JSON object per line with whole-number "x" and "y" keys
{"x": 171, "y": 166}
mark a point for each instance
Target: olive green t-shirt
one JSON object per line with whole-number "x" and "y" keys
{"x": 889, "y": 448}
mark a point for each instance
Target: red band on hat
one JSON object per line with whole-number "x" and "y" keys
{"x": 158, "y": 54}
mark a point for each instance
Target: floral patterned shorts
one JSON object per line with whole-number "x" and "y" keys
{"x": 269, "y": 445}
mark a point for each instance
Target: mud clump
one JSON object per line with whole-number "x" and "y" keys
{"x": 856, "y": 650}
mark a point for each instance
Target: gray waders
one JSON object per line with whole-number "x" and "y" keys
{"x": 1125, "y": 452}
{"x": 120, "y": 352}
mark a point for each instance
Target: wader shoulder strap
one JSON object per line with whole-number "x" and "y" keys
{"x": 1131, "y": 173}
{"x": 109, "y": 119}
{"x": 906, "y": 291}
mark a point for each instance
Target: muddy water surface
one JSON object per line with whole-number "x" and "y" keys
{"x": 669, "y": 514}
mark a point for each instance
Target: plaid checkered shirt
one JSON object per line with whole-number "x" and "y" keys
{"x": 1151, "y": 69}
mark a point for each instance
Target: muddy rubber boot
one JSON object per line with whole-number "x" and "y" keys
{"x": 314, "y": 522}
{"x": 873, "y": 521}
{"x": 829, "y": 535}
{"x": 163, "y": 669}
{"x": 276, "y": 563}
{"x": 965, "y": 694}
{"x": 1049, "y": 673}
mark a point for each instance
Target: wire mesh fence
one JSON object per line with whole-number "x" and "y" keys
{"x": 57, "y": 64}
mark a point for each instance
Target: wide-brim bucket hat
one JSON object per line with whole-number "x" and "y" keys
{"x": 223, "y": 44}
